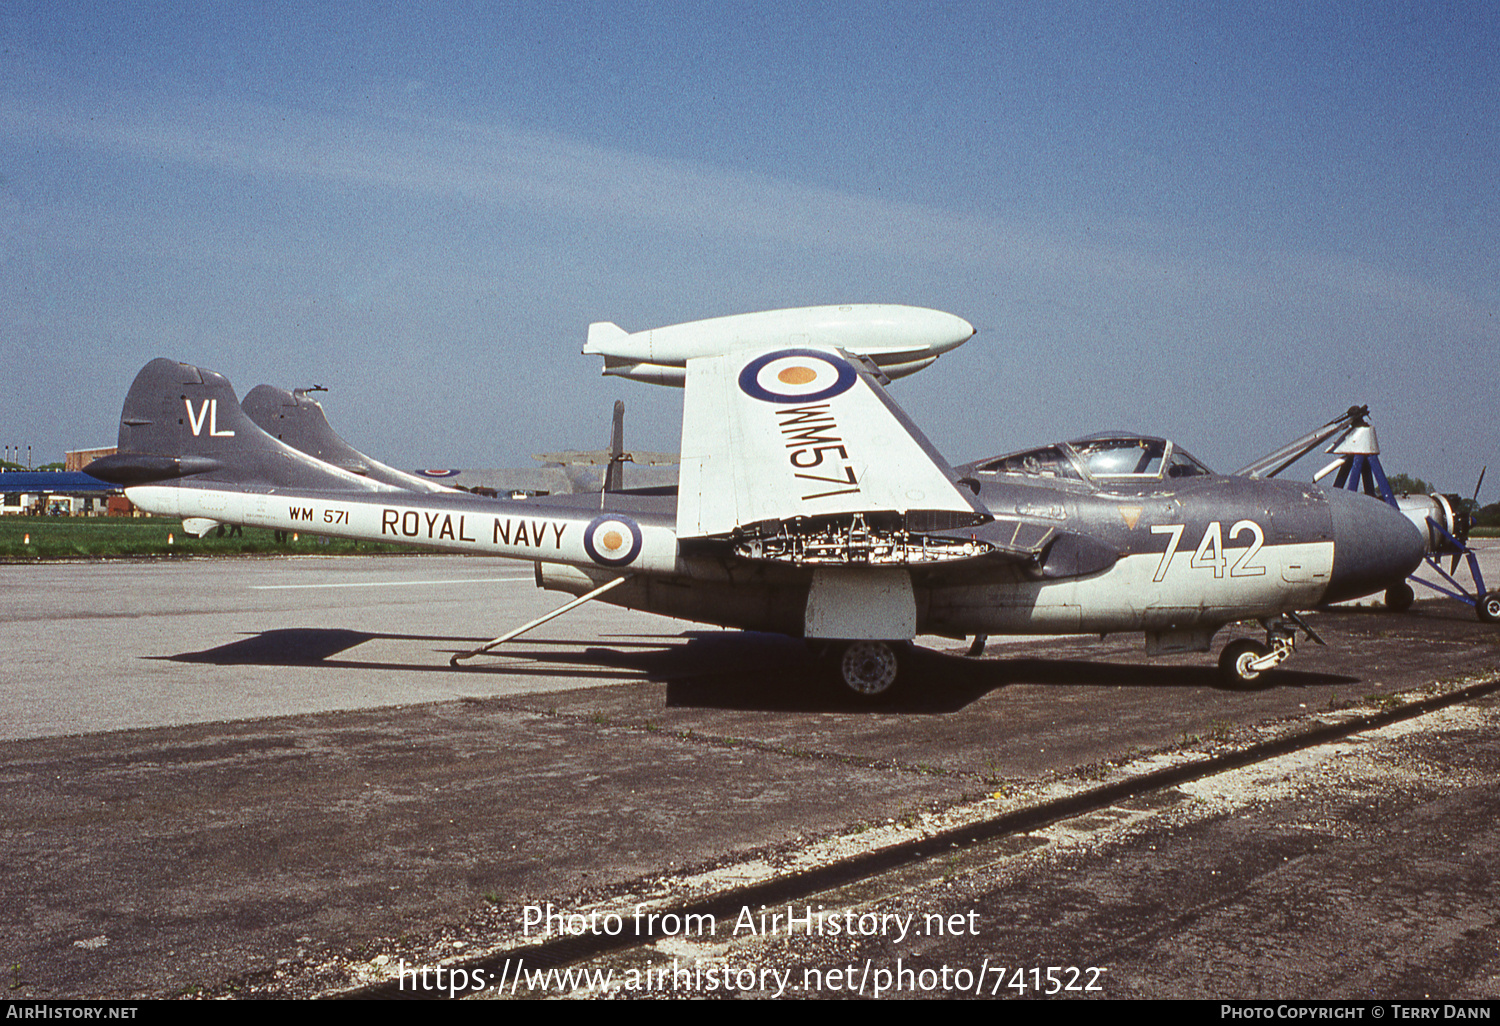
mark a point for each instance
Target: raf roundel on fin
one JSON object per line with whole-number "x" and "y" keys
{"x": 796, "y": 376}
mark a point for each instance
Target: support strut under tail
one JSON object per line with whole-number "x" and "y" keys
{"x": 559, "y": 611}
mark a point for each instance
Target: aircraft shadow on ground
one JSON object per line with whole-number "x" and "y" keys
{"x": 295, "y": 646}
{"x": 735, "y": 670}
{"x": 315, "y": 646}
{"x": 938, "y": 682}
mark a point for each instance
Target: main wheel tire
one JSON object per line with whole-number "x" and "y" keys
{"x": 1488, "y": 607}
{"x": 1399, "y": 597}
{"x": 1235, "y": 660}
{"x": 869, "y": 668}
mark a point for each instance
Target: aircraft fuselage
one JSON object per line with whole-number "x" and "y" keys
{"x": 1204, "y": 552}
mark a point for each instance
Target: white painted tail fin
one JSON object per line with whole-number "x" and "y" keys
{"x": 601, "y": 333}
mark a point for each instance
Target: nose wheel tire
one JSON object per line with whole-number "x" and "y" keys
{"x": 1399, "y": 597}
{"x": 869, "y": 668}
{"x": 1235, "y": 660}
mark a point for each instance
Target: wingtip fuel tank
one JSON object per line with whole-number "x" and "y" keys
{"x": 900, "y": 340}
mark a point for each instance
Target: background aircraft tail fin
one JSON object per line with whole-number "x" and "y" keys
{"x": 614, "y": 474}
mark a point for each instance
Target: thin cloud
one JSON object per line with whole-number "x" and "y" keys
{"x": 526, "y": 170}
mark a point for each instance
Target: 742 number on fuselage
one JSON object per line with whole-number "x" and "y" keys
{"x": 1210, "y": 554}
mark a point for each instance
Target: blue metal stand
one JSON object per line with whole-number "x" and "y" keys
{"x": 1362, "y": 471}
{"x": 1359, "y": 470}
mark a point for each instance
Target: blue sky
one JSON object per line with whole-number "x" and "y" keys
{"x": 1222, "y": 223}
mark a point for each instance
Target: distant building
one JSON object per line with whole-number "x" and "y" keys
{"x": 77, "y": 459}
{"x": 58, "y": 491}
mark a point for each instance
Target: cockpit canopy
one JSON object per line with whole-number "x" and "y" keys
{"x": 1100, "y": 459}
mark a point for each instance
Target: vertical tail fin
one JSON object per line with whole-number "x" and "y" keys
{"x": 299, "y": 421}
{"x": 614, "y": 474}
{"x": 183, "y": 421}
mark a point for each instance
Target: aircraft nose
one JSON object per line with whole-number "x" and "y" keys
{"x": 1374, "y": 546}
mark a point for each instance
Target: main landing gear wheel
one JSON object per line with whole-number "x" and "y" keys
{"x": 1488, "y": 607}
{"x": 869, "y": 668}
{"x": 1399, "y": 597}
{"x": 1235, "y": 660}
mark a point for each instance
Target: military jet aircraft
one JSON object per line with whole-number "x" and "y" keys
{"x": 811, "y": 505}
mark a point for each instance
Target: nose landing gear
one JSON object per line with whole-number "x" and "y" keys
{"x": 1244, "y": 660}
